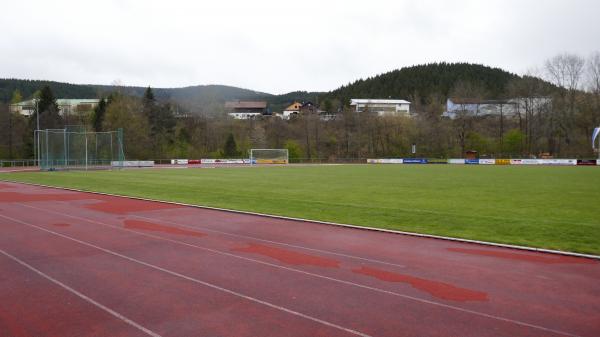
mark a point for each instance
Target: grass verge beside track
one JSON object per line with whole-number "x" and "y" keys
{"x": 544, "y": 207}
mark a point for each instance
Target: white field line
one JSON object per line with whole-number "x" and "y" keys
{"x": 430, "y": 236}
{"x": 350, "y": 283}
{"x": 80, "y": 295}
{"x": 194, "y": 280}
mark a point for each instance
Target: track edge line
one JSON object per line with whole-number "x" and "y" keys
{"x": 383, "y": 230}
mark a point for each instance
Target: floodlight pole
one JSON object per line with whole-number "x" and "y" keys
{"x": 37, "y": 139}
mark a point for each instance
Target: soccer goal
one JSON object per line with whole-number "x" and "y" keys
{"x": 75, "y": 148}
{"x": 268, "y": 156}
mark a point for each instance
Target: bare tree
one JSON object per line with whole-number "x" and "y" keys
{"x": 593, "y": 72}
{"x": 565, "y": 70}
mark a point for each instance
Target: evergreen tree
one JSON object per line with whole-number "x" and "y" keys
{"x": 150, "y": 109}
{"x": 48, "y": 110}
{"x": 98, "y": 116}
{"x": 16, "y": 98}
{"x": 230, "y": 150}
{"x": 47, "y": 102}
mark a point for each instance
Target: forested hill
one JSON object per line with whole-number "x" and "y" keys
{"x": 199, "y": 98}
{"x": 416, "y": 82}
{"x": 192, "y": 94}
{"x": 421, "y": 81}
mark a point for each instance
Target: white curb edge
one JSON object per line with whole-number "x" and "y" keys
{"x": 430, "y": 236}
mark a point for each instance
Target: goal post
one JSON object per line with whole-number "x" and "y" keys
{"x": 269, "y": 156}
{"x": 70, "y": 148}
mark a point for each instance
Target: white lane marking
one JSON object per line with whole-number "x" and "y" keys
{"x": 389, "y": 292}
{"x": 80, "y": 295}
{"x": 185, "y": 277}
{"x": 273, "y": 242}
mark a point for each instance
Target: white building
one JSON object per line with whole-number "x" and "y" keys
{"x": 383, "y": 107}
{"x": 246, "y": 109}
{"x": 65, "y": 105}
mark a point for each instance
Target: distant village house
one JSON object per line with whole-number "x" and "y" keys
{"x": 297, "y": 108}
{"x": 67, "y": 106}
{"x": 246, "y": 109}
{"x": 383, "y": 107}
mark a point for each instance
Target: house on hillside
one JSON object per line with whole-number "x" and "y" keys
{"x": 246, "y": 109}
{"x": 383, "y": 107}
{"x": 292, "y": 109}
{"x": 304, "y": 108}
{"x": 510, "y": 107}
{"x": 66, "y": 106}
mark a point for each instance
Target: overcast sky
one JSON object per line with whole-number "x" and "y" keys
{"x": 280, "y": 46}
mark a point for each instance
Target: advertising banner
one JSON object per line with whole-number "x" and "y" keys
{"x": 414, "y": 160}
{"x": 225, "y": 161}
{"x": 456, "y": 161}
{"x": 472, "y": 161}
{"x": 586, "y": 162}
{"x": 502, "y": 161}
{"x": 133, "y": 163}
{"x": 487, "y": 161}
{"x": 179, "y": 161}
{"x": 385, "y": 161}
{"x": 565, "y": 162}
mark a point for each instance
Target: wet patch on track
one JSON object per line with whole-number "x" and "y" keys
{"x": 537, "y": 258}
{"x": 289, "y": 256}
{"x": 26, "y": 197}
{"x": 11, "y": 325}
{"x": 122, "y": 206}
{"x": 434, "y": 288}
{"x": 149, "y": 226}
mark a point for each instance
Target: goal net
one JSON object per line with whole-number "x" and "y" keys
{"x": 75, "y": 148}
{"x": 268, "y": 156}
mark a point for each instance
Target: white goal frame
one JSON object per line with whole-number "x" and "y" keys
{"x": 283, "y": 158}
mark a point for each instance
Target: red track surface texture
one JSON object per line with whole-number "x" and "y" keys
{"x": 81, "y": 264}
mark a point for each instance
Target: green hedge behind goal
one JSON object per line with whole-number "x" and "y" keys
{"x": 73, "y": 148}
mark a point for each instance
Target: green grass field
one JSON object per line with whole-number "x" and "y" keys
{"x": 548, "y": 207}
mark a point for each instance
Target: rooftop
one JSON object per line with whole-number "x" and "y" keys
{"x": 355, "y": 101}
{"x": 63, "y": 101}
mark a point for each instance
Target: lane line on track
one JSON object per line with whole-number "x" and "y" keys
{"x": 80, "y": 295}
{"x": 270, "y": 241}
{"x": 282, "y": 217}
{"x": 350, "y": 283}
{"x": 194, "y": 280}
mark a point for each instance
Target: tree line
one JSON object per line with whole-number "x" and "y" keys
{"x": 152, "y": 129}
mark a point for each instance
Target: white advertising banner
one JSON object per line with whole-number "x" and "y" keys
{"x": 225, "y": 161}
{"x": 525, "y": 162}
{"x": 179, "y": 161}
{"x": 456, "y": 161}
{"x": 565, "y": 162}
{"x": 133, "y": 163}
{"x": 487, "y": 161}
{"x": 385, "y": 161}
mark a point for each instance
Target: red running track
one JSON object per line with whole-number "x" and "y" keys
{"x": 82, "y": 264}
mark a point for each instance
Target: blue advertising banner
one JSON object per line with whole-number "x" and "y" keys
{"x": 414, "y": 160}
{"x": 472, "y": 161}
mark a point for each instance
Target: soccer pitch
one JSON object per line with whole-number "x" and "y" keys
{"x": 545, "y": 207}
